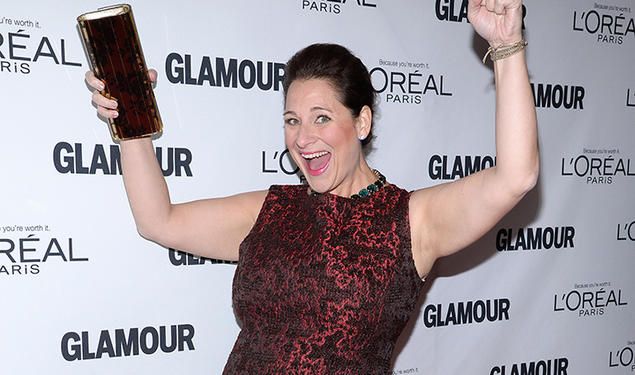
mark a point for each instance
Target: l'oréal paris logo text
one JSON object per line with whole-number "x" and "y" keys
{"x": 21, "y": 49}
{"x": 183, "y": 69}
{"x": 278, "y": 162}
{"x": 607, "y": 24}
{"x": 590, "y": 299}
{"x": 626, "y": 232}
{"x": 77, "y": 346}
{"x": 405, "y": 82}
{"x": 598, "y": 166}
{"x": 336, "y": 6}
{"x": 27, "y": 250}
{"x": 623, "y": 357}
{"x": 80, "y": 158}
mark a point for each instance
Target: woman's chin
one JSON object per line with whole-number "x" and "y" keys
{"x": 316, "y": 185}
{"x": 318, "y": 188}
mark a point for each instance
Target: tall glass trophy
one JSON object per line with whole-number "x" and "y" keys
{"x": 112, "y": 44}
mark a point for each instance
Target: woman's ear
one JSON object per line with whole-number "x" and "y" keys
{"x": 364, "y": 122}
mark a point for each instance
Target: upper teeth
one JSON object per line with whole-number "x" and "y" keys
{"x": 314, "y": 155}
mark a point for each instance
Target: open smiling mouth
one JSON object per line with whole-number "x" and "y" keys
{"x": 316, "y": 162}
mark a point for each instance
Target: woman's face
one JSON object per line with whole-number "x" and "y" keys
{"x": 323, "y": 136}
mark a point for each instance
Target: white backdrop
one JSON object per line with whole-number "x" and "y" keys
{"x": 76, "y": 279}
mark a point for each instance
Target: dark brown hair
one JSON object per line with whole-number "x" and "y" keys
{"x": 345, "y": 72}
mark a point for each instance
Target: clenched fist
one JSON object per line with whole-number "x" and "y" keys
{"x": 499, "y": 22}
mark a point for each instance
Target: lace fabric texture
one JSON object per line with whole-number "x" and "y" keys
{"x": 324, "y": 284}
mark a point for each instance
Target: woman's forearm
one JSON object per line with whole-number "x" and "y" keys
{"x": 145, "y": 186}
{"x": 517, "y": 160}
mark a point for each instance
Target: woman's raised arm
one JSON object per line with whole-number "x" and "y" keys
{"x": 448, "y": 217}
{"x": 211, "y": 228}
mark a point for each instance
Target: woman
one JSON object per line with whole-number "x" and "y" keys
{"x": 325, "y": 283}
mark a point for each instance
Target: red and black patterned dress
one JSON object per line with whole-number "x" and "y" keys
{"x": 324, "y": 284}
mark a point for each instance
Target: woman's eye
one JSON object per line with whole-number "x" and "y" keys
{"x": 321, "y": 119}
{"x": 291, "y": 121}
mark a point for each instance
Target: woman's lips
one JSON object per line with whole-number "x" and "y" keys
{"x": 316, "y": 162}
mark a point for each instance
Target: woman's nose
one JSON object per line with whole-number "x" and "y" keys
{"x": 306, "y": 136}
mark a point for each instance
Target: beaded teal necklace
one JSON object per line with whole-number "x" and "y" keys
{"x": 370, "y": 189}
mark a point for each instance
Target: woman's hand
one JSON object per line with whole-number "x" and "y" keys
{"x": 105, "y": 106}
{"x": 499, "y": 22}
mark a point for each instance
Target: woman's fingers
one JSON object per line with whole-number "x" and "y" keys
{"x": 152, "y": 74}
{"x": 107, "y": 106}
{"x": 489, "y": 5}
{"x": 495, "y": 6}
{"x": 102, "y": 101}
{"x": 108, "y": 113}
{"x": 93, "y": 81}
{"x": 499, "y": 8}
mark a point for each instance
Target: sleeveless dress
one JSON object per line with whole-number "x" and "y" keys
{"x": 324, "y": 284}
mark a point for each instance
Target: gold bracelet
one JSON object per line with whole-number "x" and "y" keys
{"x": 502, "y": 51}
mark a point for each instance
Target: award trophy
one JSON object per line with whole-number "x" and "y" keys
{"x": 112, "y": 44}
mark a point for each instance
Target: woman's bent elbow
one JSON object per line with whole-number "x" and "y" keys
{"x": 148, "y": 232}
{"x": 528, "y": 181}
{"x": 520, "y": 183}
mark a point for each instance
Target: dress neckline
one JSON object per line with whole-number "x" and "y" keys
{"x": 334, "y": 198}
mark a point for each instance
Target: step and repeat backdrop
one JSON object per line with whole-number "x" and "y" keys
{"x": 549, "y": 290}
